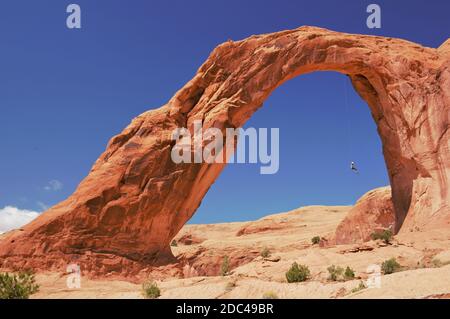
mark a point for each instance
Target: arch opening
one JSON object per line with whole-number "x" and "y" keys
{"x": 323, "y": 126}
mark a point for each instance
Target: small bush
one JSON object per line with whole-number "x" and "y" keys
{"x": 335, "y": 272}
{"x": 338, "y": 273}
{"x": 385, "y": 235}
{"x": 349, "y": 273}
{"x": 390, "y": 266}
{"x": 315, "y": 240}
{"x": 297, "y": 273}
{"x": 270, "y": 295}
{"x": 225, "y": 268}
{"x": 17, "y": 286}
{"x": 151, "y": 290}
{"x": 174, "y": 243}
{"x": 265, "y": 253}
{"x": 360, "y": 287}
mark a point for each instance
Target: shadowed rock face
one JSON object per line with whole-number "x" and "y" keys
{"x": 124, "y": 214}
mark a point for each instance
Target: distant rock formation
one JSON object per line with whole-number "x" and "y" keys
{"x": 372, "y": 213}
{"x": 124, "y": 214}
{"x": 189, "y": 239}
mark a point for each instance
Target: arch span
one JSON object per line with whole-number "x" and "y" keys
{"x": 135, "y": 199}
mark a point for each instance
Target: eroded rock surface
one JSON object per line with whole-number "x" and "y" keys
{"x": 124, "y": 214}
{"x": 372, "y": 213}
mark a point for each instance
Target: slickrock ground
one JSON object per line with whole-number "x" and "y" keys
{"x": 372, "y": 212}
{"x": 288, "y": 236}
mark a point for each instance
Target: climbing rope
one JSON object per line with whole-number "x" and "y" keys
{"x": 349, "y": 133}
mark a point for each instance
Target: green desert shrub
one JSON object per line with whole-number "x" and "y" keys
{"x": 174, "y": 243}
{"x": 335, "y": 273}
{"x": 270, "y": 295}
{"x": 384, "y": 235}
{"x": 315, "y": 240}
{"x": 360, "y": 287}
{"x": 151, "y": 290}
{"x": 349, "y": 273}
{"x": 17, "y": 286}
{"x": 298, "y": 273}
{"x": 338, "y": 273}
{"x": 390, "y": 266}
{"x": 225, "y": 267}
{"x": 265, "y": 253}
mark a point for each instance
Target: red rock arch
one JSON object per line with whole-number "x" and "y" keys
{"x": 135, "y": 199}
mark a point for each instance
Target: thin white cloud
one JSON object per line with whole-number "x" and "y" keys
{"x": 13, "y": 218}
{"x": 54, "y": 185}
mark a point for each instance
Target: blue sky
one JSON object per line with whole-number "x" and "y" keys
{"x": 64, "y": 93}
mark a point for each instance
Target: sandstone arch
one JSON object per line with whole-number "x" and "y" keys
{"x": 135, "y": 199}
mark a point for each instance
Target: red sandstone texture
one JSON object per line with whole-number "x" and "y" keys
{"x": 261, "y": 226}
{"x": 202, "y": 263}
{"x": 124, "y": 214}
{"x": 373, "y": 212}
{"x": 189, "y": 239}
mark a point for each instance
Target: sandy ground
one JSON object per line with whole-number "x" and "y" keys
{"x": 288, "y": 237}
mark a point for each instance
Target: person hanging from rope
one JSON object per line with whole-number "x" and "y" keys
{"x": 353, "y": 167}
